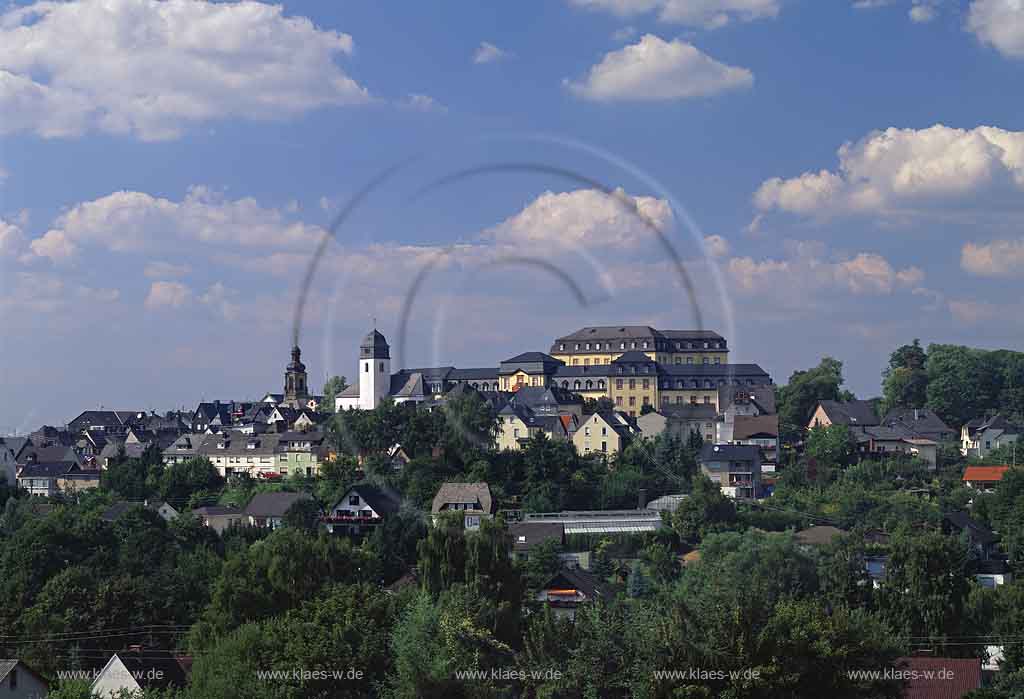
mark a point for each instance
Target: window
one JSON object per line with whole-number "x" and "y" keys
{"x": 381, "y": 369}
{"x": 586, "y": 362}
{"x": 577, "y": 345}
{"x": 689, "y": 360}
{"x": 632, "y": 401}
{"x": 575, "y": 361}
{"x": 576, "y": 385}
{"x": 718, "y": 360}
{"x": 647, "y": 383}
{"x": 515, "y": 432}
{"x": 604, "y": 431}
{"x": 588, "y": 345}
{"x": 647, "y": 400}
{"x": 284, "y": 457}
{"x": 645, "y": 344}
{"x": 590, "y": 384}
{"x": 679, "y": 360}
{"x": 679, "y": 399}
{"x": 632, "y": 345}
{"x": 707, "y": 399}
{"x": 586, "y": 431}
{"x": 366, "y": 368}
{"x": 600, "y": 384}
{"x": 622, "y": 345}
{"x": 561, "y": 347}
{"x": 604, "y": 446}
{"x": 14, "y": 679}
{"x": 632, "y": 383}
{"x": 704, "y": 361}
{"x": 618, "y": 400}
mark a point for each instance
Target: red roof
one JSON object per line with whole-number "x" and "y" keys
{"x": 940, "y": 678}
{"x": 984, "y": 473}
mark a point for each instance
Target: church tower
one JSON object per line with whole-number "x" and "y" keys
{"x": 374, "y": 370}
{"x": 296, "y": 391}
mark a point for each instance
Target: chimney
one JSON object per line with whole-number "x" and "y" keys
{"x": 641, "y": 499}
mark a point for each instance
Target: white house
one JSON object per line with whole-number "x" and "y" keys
{"x": 139, "y": 670}
{"x": 363, "y": 507}
{"x": 19, "y": 681}
{"x": 980, "y": 436}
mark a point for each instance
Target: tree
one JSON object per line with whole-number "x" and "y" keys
{"x": 706, "y": 509}
{"x": 182, "y": 480}
{"x": 797, "y": 398}
{"x": 636, "y": 584}
{"x": 905, "y": 380}
{"x": 334, "y": 386}
{"x": 831, "y": 446}
{"x": 303, "y": 514}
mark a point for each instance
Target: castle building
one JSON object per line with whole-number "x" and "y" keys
{"x": 676, "y": 367}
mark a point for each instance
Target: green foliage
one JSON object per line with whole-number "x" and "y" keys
{"x": 905, "y": 381}
{"x": 706, "y": 510}
{"x": 333, "y": 386}
{"x": 831, "y": 446}
{"x": 303, "y": 514}
{"x": 797, "y": 399}
{"x": 964, "y": 383}
{"x": 182, "y": 482}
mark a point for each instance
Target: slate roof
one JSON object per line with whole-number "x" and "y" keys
{"x": 728, "y": 452}
{"x": 761, "y": 396}
{"x": 716, "y": 370}
{"x": 45, "y": 469}
{"x": 273, "y": 504}
{"x": 920, "y": 421}
{"x": 688, "y": 411}
{"x": 49, "y": 454}
{"x": 592, "y": 587}
{"x": 384, "y": 501}
{"x": 962, "y": 676}
{"x": 216, "y": 511}
{"x": 634, "y": 332}
{"x": 16, "y": 444}
{"x": 855, "y": 412}
{"x": 170, "y": 669}
{"x": 527, "y": 535}
{"x": 8, "y": 664}
{"x": 479, "y": 374}
{"x": 477, "y": 493}
{"x": 633, "y": 357}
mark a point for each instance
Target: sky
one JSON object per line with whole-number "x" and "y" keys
{"x": 475, "y": 179}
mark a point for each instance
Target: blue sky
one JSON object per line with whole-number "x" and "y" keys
{"x": 854, "y": 172}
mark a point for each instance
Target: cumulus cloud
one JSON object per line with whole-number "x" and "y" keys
{"x": 150, "y": 67}
{"x": 218, "y": 297}
{"x": 487, "y": 52}
{"x": 1000, "y": 258}
{"x": 584, "y": 218}
{"x": 709, "y": 14}
{"x": 12, "y": 239}
{"x": 923, "y": 12}
{"x": 164, "y": 294}
{"x": 897, "y": 170}
{"x": 655, "y": 69}
{"x": 806, "y": 271}
{"x": 999, "y": 24}
{"x": 55, "y": 245}
{"x": 133, "y": 221}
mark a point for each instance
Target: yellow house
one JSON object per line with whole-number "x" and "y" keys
{"x": 604, "y": 432}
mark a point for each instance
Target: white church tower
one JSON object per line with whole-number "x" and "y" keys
{"x": 374, "y": 370}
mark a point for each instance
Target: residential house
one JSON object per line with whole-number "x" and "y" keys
{"x": 570, "y": 588}
{"x": 164, "y": 510}
{"x": 880, "y": 441}
{"x": 398, "y": 457}
{"x": 112, "y": 422}
{"x": 268, "y": 454}
{"x": 854, "y": 413}
{"x": 472, "y": 499}
{"x": 605, "y": 432}
{"x": 736, "y": 468}
{"x": 211, "y": 416}
{"x": 939, "y": 678}
{"x": 184, "y": 448}
{"x": 41, "y": 478}
{"x": 141, "y": 670}
{"x": 518, "y": 423}
{"x": 48, "y": 454}
{"x": 920, "y": 422}
{"x": 746, "y": 400}
{"x": 528, "y": 535}
{"x": 984, "y": 478}
{"x": 761, "y": 431}
{"x": 300, "y": 453}
{"x": 680, "y": 420}
{"x": 78, "y": 479}
{"x": 19, "y": 681}
{"x": 989, "y": 567}
{"x": 268, "y": 509}
{"x": 363, "y": 507}
{"x": 981, "y": 436}
{"x": 218, "y": 517}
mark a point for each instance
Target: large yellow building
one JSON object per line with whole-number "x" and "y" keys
{"x": 604, "y": 344}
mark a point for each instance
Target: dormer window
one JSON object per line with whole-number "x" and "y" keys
{"x": 645, "y": 344}
{"x": 561, "y": 347}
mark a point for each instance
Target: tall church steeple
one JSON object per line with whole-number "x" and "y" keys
{"x": 296, "y": 389}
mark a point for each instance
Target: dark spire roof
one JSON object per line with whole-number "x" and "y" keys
{"x": 296, "y": 363}
{"x": 374, "y": 346}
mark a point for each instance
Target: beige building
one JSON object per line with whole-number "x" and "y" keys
{"x": 604, "y": 433}
{"x": 604, "y": 344}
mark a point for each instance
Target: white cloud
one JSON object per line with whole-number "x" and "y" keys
{"x": 218, "y": 298}
{"x": 970, "y": 312}
{"x": 1000, "y": 24}
{"x": 1000, "y": 258}
{"x": 870, "y": 4}
{"x": 487, "y": 52}
{"x": 716, "y": 246}
{"x": 55, "y": 245}
{"x": 899, "y": 170}
{"x": 710, "y": 14}
{"x": 923, "y": 12}
{"x": 584, "y": 218}
{"x": 655, "y": 69}
{"x": 165, "y": 270}
{"x": 12, "y": 240}
{"x": 132, "y": 221}
{"x": 423, "y": 103}
{"x": 806, "y": 272}
{"x": 149, "y": 68}
{"x": 624, "y": 34}
{"x": 166, "y": 294}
